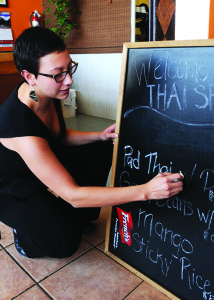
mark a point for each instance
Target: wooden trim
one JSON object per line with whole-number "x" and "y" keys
{"x": 7, "y": 65}
{"x": 116, "y": 142}
{"x": 172, "y": 44}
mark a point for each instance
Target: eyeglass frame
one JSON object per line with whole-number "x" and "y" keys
{"x": 66, "y": 72}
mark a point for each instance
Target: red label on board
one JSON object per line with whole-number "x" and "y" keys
{"x": 125, "y": 226}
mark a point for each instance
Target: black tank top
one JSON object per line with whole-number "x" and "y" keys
{"x": 18, "y": 120}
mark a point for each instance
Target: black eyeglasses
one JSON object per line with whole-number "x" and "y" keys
{"x": 61, "y": 76}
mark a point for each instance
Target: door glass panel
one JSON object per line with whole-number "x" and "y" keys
{"x": 141, "y": 20}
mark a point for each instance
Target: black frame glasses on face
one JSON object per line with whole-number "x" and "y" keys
{"x": 61, "y": 76}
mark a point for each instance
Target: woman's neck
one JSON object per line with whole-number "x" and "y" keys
{"x": 43, "y": 103}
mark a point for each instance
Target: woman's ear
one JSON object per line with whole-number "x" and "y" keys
{"x": 29, "y": 77}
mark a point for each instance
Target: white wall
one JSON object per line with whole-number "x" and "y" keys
{"x": 97, "y": 84}
{"x": 98, "y": 76}
{"x": 192, "y": 19}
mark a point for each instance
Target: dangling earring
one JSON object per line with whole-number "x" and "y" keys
{"x": 33, "y": 94}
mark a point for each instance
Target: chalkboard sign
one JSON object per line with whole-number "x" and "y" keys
{"x": 165, "y": 122}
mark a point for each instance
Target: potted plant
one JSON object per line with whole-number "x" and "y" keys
{"x": 62, "y": 14}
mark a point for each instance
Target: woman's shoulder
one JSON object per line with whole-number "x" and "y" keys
{"x": 16, "y": 119}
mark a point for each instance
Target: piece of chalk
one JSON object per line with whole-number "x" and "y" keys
{"x": 181, "y": 174}
{"x": 179, "y": 179}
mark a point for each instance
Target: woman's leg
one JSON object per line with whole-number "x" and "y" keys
{"x": 89, "y": 165}
{"x": 49, "y": 226}
{"x": 45, "y": 225}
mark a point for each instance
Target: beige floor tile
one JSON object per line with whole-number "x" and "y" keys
{"x": 13, "y": 280}
{"x": 6, "y": 235}
{"x": 35, "y": 293}
{"x": 99, "y": 234}
{"x": 146, "y": 292}
{"x": 93, "y": 276}
{"x": 101, "y": 246}
{"x": 42, "y": 267}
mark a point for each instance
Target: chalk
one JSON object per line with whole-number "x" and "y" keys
{"x": 179, "y": 179}
{"x": 181, "y": 174}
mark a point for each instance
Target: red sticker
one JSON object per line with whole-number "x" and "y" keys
{"x": 125, "y": 226}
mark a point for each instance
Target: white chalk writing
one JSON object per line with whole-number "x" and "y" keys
{"x": 168, "y": 69}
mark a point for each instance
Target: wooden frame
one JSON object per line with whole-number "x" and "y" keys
{"x": 4, "y": 3}
{"x": 9, "y": 76}
{"x": 7, "y": 65}
{"x": 126, "y": 47}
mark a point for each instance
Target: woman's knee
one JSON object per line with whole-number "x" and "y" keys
{"x": 65, "y": 248}
{"x": 61, "y": 246}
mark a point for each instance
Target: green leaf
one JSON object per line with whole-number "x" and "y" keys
{"x": 62, "y": 15}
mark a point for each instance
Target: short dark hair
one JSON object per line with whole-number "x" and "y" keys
{"x": 34, "y": 43}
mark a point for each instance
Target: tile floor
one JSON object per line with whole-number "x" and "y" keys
{"x": 89, "y": 274}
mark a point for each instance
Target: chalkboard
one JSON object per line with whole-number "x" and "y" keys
{"x": 165, "y": 121}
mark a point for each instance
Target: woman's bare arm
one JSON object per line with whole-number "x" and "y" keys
{"x": 73, "y": 137}
{"x": 38, "y": 156}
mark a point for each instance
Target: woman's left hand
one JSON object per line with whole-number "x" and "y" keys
{"x": 109, "y": 133}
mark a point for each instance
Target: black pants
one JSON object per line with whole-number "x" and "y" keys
{"x": 49, "y": 226}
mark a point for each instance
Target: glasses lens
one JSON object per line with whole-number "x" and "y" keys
{"x": 73, "y": 69}
{"x": 60, "y": 77}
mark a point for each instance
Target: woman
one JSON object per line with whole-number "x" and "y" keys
{"x": 46, "y": 195}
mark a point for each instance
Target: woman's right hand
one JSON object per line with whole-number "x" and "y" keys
{"x": 163, "y": 185}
